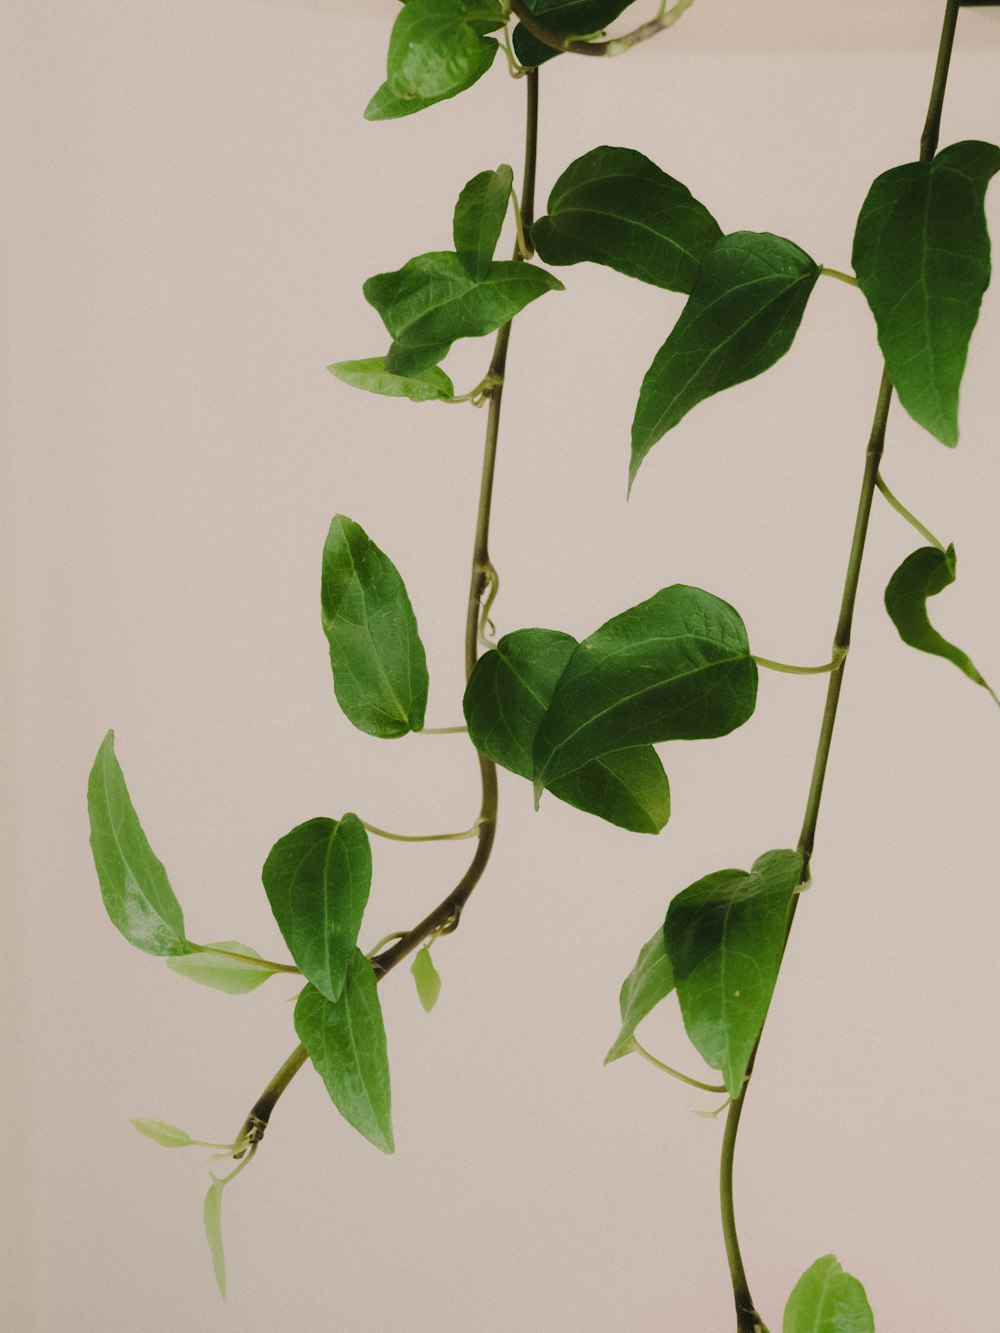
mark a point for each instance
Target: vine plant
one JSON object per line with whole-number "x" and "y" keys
{"x": 579, "y": 720}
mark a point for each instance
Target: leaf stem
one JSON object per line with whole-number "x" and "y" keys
{"x": 836, "y": 273}
{"x": 902, "y": 510}
{"x": 248, "y": 958}
{"x": 790, "y": 670}
{"x": 675, "y": 1073}
{"x": 423, "y": 837}
{"x": 614, "y": 46}
{"x": 440, "y": 731}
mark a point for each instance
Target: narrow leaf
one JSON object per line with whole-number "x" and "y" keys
{"x": 346, "y": 1043}
{"x": 479, "y": 217}
{"x": 167, "y": 1136}
{"x": 434, "y": 50}
{"x": 386, "y": 105}
{"x": 220, "y": 970}
{"x": 614, "y": 206}
{"x": 212, "y": 1215}
{"x": 827, "y": 1300}
{"x": 724, "y": 937}
{"x": 922, "y": 256}
{"x": 742, "y": 315}
{"x": 134, "y": 884}
{"x": 371, "y": 374}
{"x": 317, "y": 879}
{"x": 427, "y": 978}
{"x": 650, "y": 981}
{"x": 569, "y": 18}
{"x": 378, "y": 660}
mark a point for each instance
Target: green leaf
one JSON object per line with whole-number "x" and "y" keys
{"x": 434, "y": 49}
{"x": 921, "y": 575}
{"x": 212, "y": 1215}
{"x": 386, "y": 105}
{"x": 167, "y": 1136}
{"x": 427, "y": 978}
{"x": 725, "y": 936}
{"x": 221, "y": 970}
{"x": 371, "y": 374}
{"x": 508, "y": 693}
{"x": 346, "y": 1043}
{"x": 743, "y": 312}
{"x": 569, "y": 18}
{"x": 134, "y": 884}
{"x": 827, "y": 1300}
{"x": 922, "y": 256}
{"x": 649, "y": 982}
{"x": 317, "y": 879}
{"x": 479, "y": 218}
{"x": 614, "y": 206}
{"x": 378, "y": 661}
{"x": 675, "y": 667}
{"x": 433, "y": 300}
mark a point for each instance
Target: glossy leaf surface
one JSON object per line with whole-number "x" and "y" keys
{"x": 479, "y": 217}
{"x": 212, "y": 1217}
{"x": 317, "y": 879}
{"x": 134, "y": 884}
{"x": 827, "y": 1300}
{"x": 370, "y": 374}
{"x": 222, "y": 970}
{"x": 922, "y": 256}
{"x": 615, "y": 207}
{"x": 742, "y": 315}
{"x": 649, "y": 982}
{"x": 434, "y": 49}
{"x": 570, "y": 18}
{"x": 378, "y": 660}
{"x": 427, "y": 979}
{"x": 386, "y": 105}
{"x": 724, "y": 936}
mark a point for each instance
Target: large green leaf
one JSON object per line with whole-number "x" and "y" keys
{"x": 317, "y": 879}
{"x": 649, "y": 982}
{"x": 386, "y": 105}
{"x": 226, "y": 965}
{"x": 616, "y": 207}
{"x": 434, "y": 48}
{"x": 479, "y": 217}
{"x": 569, "y": 18}
{"x": 433, "y": 300}
{"x": 724, "y": 936}
{"x": 346, "y": 1043}
{"x": 922, "y": 256}
{"x": 508, "y": 693}
{"x": 675, "y": 667}
{"x": 741, "y": 317}
{"x": 134, "y": 884}
{"x": 371, "y": 374}
{"x": 827, "y": 1300}
{"x": 378, "y": 660}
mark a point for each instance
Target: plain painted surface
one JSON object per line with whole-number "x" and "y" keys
{"x": 192, "y": 204}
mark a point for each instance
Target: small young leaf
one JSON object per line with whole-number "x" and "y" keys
{"x": 827, "y": 1300}
{"x": 434, "y": 48}
{"x": 922, "y": 256}
{"x": 378, "y": 661}
{"x": 427, "y": 978}
{"x": 724, "y": 937}
{"x": 614, "y": 206}
{"x": 742, "y": 315}
{"x": 167, "y": 1136}
{"x": 371, "y": 374}
{"x": 212, "y": 1214}
{"x": 134, "y": 884}
{"x": 220, "y": 970}
{"x": 346, "y": 1043}
{"x": 569, "y": 18}
{"x": 317, "y": 879}
{"x": 649, "y": 982}
{"x": 479, "y": 217}
{"x": 386, "y": 105}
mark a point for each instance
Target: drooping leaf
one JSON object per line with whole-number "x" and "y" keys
{"x": 317, "y": 879}
{"x": 827, "y": 1300}
{"x": 386, "y": 105}
{"x": 922, "y": 256}
{"x": 614, "y": 206}
{"x": 371, "y": 374}
{"x": 649, "y": 982}
{"x": 427, "y": 979}
{"x": 167, "y": 1136}
{"x": 433, "y": 300}
{"x": 479, "y": 217}
{"x": 626, "y": 787}
{"x": 569, "y": 18}
{"x": 134, "y": 884}
{"x": 346, "y": 1043}
{"x": 378, "y": 660}
{"x": 212, "y": 1215}
{"x": 675, "y": 667}
{"x": 742, "y": 315}
{"x": 217, "y": 965}
{"x": 724, "y": 937}
{"x": 434, "y": 48}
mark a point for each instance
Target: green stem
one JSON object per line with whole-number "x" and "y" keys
{"x": 747, "y": 1318}
{"x": 675, "y": 1073}
{"x": 423, "y": 837}
{"x": 799, "y": 670}
{"x": 440, "y": 731}
{"x": 836, "y": 273}
{"x": 902, "y": 510}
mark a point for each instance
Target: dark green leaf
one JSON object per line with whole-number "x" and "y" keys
{"x": 827, "y": 1300}
{"x": 346, "y": 1043}
{"x": 212, "y": 1215}
{"x": 741, "y": 317}
{"x": 378, "y": 661}
{"x": 225, "y": 965}
{"x": 385, "y": 105}
{"x": 614, "y": 206}
{"x": 626, "y": 787}
{"x": 433, "y": 300}
{"x": 922, "y": 256}
{"x": 675, "y": 667}
{"x": 372, "y": 375}
{"x": 479, "y": 217}
{"x": 569, "y": 18}
{"x": 427, "y": 979}
{"x": 724, "y": 936}
{"x": 650, "y": 981}
{"x": 317, "y": 879}
{"x": 134, "y": 885}
{"x": 434, "y": 50}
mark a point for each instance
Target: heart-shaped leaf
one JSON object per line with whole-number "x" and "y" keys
{"x": 649, "y": 982}
{"x": 827, "y": 1300}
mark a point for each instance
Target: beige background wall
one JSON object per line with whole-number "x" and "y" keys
{"x": 192, "y": 202}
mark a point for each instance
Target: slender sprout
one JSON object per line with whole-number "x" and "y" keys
{"x": 675, "y": 1073}
{"x": 902, "y": 510}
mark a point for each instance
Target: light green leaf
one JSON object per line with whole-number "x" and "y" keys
{"x": 675, "y": 667}
{"x": 346, "y": 1043}
{"x": 434, "y": 49}
{"x": 215, "y": 965}
{"x": 427, "y": 978}
{"x": 922, "y": 256}
{"x": 614, "y": 206}
{"x": 167, "y": 1136}
{"x": 827, "y": 1300}
{"x": 317, "y": 879}
{"x": 433, "y": 300}
{"x": 649, "y": 982}
{"x": 378, "y": 660}
{"x": 386, "y": 105}
{"x": 212, "y": 1215}
{"x": 724, "y": 937}
{"x": 134, "y": 884}
{"x": 569, "y": 18}
{"x": 742, "y": 315}
{"x": 479, "y": 217}
{"x": 371, "y": 374}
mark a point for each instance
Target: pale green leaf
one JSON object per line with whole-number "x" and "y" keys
{"x": 167, "y": 1136}
{"x": 224, "y": 965}
{"x": 649, "y": 982}
{"x": 827, "y": 1300}
{"x": 212, "y": 1215}
{"x": 479, "y": 217}
{"x": 370, "y": 373}
{"x": 427, "y": 979}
